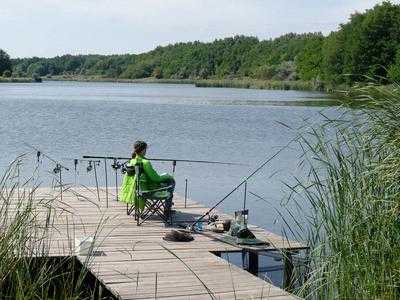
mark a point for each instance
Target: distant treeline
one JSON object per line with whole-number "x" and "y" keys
{"x": 368, "y": 45}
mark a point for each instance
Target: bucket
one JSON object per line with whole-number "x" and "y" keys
{"x": 84, "y": 245}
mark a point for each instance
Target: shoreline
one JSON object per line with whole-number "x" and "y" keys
{"x": 209, "y": 83}
{"x": 240, "y": 83}
{"x": 17, "y": 80}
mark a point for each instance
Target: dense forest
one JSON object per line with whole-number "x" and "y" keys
{"x": 367, "y": 46}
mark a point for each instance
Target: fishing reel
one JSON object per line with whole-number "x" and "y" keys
{"x": 128, "y": 170}
{"x": 91, "y": 164}
{"x": 89, "y": 167}
{"x": 57, "y": 169}
{"x": 116, "y": 165}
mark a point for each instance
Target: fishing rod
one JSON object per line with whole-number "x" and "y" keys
{"x": 58, "y": 168}
{"x": 167, "y": 159}
{"x": 243, "y": 182}
{"x": 116, "y": 165}
{"x": 41, "y": 153}
{"x": 92, "y": 165}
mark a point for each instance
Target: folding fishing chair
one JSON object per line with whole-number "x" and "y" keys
{"x": 158, "y": 202}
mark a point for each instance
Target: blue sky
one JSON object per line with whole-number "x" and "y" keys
{"x": 56, "y": 27}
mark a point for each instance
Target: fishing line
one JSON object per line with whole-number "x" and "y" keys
{"x": 92, "y": 165}
{"x": 244, "y": 181}
{"x": 40, "y": 153}
{"x": 167, "y": 160}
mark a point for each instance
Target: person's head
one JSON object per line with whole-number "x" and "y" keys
{"x": 139, "y": 148}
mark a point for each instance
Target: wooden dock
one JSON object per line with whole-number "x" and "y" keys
{"x": 134, "y": 262}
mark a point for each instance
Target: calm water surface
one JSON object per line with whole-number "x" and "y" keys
{"x": 68, "y": 120}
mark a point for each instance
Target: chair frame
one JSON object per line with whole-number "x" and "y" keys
{"x": 153, "y": 205}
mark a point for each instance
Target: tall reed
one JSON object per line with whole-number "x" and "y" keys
{"x": 249, "y": 83}
{"x": 27, "y": 270}
{"x": 354, "y": 191}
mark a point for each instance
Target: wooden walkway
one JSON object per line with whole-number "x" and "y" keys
{"x": 134, "y": 262}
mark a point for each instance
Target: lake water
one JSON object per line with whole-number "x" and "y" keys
{"x": 67, "y": 120}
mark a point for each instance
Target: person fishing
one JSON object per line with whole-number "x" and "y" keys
{"x": 149, "y": 179}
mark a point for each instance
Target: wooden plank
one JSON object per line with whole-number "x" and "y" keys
{"x": 136, "y": 263}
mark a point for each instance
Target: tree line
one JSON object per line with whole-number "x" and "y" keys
{"x": 368, "y": 45}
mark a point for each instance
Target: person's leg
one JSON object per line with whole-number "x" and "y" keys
{"x": 168, "y": 202}
{"x": 140, "y": 203}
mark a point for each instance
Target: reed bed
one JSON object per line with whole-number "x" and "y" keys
{"x": 16, "y": 80}
{"x": 86, "y": 78}
{"x": 353, "y": 188}
{"x": 248, "y": 83}
{"x": 27, "y": 270}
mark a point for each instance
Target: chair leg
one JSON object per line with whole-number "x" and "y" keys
{"x": 168, "y": 211}
{"x": 161, "y": 208}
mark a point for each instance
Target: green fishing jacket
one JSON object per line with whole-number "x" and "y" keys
{"x": 148, "y": 180}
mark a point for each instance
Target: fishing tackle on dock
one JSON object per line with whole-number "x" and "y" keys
{"x": 76, "y": 161}
{"x": 118, "y": 165}
{"x": 240, "y": 233}
{"x": 57, "y": 169}
{"x": 40, "y": 154}
{"x": 116, "y": 160}
{"x": 89, "y": 167}
{"x": 92, "y": 164}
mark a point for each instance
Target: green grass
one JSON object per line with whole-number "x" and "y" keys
{"x": 353, "y": 188}
{"x": 26, "y": 269}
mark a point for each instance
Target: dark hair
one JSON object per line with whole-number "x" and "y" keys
{"x": 138, "y": 147}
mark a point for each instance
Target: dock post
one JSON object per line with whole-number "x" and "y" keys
{"x": 97, "y": 180}
{"x": 18, "y": 178}
{"x": 105, "y": 171}
{"x": 253, "y": 262}
{"x": 61, "y": 187}
{"x": 186, "y": 190}
{"x": 245, "y": 195}
{"x": 288, "y": 268}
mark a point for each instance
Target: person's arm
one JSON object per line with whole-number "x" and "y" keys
{"x": 152, "y": 174}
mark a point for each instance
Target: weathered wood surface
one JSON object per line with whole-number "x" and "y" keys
{"x": 134, "y": 262}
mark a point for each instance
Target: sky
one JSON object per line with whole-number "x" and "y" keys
{"x": 47, "y": 28}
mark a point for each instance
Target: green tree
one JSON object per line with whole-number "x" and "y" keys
{"x": 286, "y": 71}
{"x": 157, "y": 73}
{"x": 366, "y": 45}
{"x": 333, "y": 57}
{"x": 38, "y": 69}
{"x": 264, "y": 72}
{"x": 7, "y": 73}
{"x": 309, "y": 61}
{"x": 5, "y": 62}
